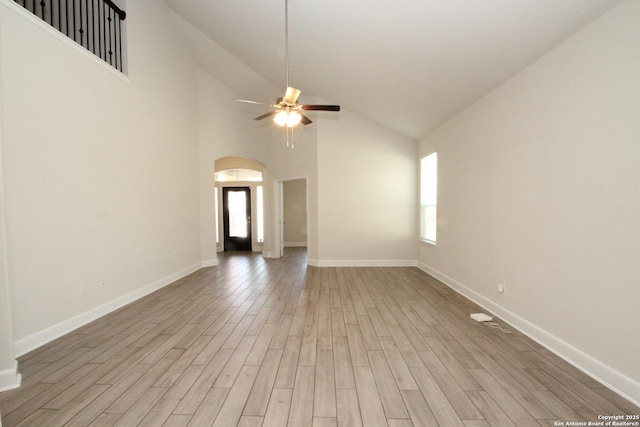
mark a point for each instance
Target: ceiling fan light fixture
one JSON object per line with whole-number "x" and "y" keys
{"x": 282, "y": 118}
{"x": 294, "y": 118}
{"x": 288, "y": 112}
{"x": 287, "y": 118}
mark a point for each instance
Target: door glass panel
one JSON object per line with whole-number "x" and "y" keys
{"x": 237, "y": 214}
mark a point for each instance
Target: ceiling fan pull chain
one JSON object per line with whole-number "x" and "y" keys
{"x": 289, "y": 131}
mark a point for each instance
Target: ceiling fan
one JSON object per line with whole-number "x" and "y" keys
{"x": 288, "y": 112}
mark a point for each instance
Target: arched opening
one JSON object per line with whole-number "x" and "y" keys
{"x": 239, "y": 204}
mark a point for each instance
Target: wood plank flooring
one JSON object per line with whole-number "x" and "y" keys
{"x": 272, "y": 342}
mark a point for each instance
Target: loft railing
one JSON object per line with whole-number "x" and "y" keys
{"x": 93, "y": 24}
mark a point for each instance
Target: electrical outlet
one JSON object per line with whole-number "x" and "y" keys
{"x": 501, "y": 287}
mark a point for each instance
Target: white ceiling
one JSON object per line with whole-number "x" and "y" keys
{"x": 408, "y": 64}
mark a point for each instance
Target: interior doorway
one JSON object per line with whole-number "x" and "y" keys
{"x": 236, "y": 218}
{"x": 293, "y": 215}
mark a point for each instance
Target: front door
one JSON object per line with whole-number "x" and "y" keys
{"x": 236, "y": 217}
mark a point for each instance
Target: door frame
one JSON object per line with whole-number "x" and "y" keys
{"x": 279, "y": 212}
{"x": 220, "y": 186}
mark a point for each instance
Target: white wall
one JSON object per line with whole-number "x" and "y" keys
{"x": 367, "y": 193}
{"x": 100, "y": 170}
{"x": 539, "y": 185}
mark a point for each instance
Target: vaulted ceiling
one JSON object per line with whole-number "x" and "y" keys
{"x": 409, "y": 65}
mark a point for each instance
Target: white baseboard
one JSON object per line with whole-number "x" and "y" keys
{"x": 209, "y": 263}
{"x": 27, "y": 344}
{"x": 615, "y": 380}
{"x": 269, "y": 254}
{"x": 364, "y": 263}
{"x": 10, "y": 378}
{"x": 295, "y": 244}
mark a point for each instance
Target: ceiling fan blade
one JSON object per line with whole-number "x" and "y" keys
{"x": 248, "y": 101}
{"x": 305, "y": 120}
{"x": 291, "y": 97}
{"x": 321, "y": 107}
{"x": 265, "y": 115}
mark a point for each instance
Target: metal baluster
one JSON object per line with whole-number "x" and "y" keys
{"x": 67, "y": 12}
{"x": 66, "y": 17}
{"x": 90, "y": 28}
{"x": 106, "y": 34}
{"x": 42, "y": 8}
{"x": 80, "y": 29}
{"x": 110, "y": 41}
{"x": 99, "y": 31}
{"x": 75, "y": 33}
{"x": 116, "y": 18}
{"x": 86, "y": 19}
{"x": 83, "y": 20}
{"x": 120, "y": 40}
{"x": 104, "y": 31}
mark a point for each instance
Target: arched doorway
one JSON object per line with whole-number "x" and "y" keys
{"x": 239, "y": 204}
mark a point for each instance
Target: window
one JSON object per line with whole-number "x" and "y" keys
{"x": 428, "y": 197}
{"x": 260, "y": 198}
{"x": 233, "y": 175}
{"x": 215, "y": 196}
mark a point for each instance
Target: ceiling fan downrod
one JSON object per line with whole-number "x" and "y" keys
{"x": 286, "y": 42}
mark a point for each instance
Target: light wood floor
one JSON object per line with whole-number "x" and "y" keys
{"x": 264, "y": 342}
